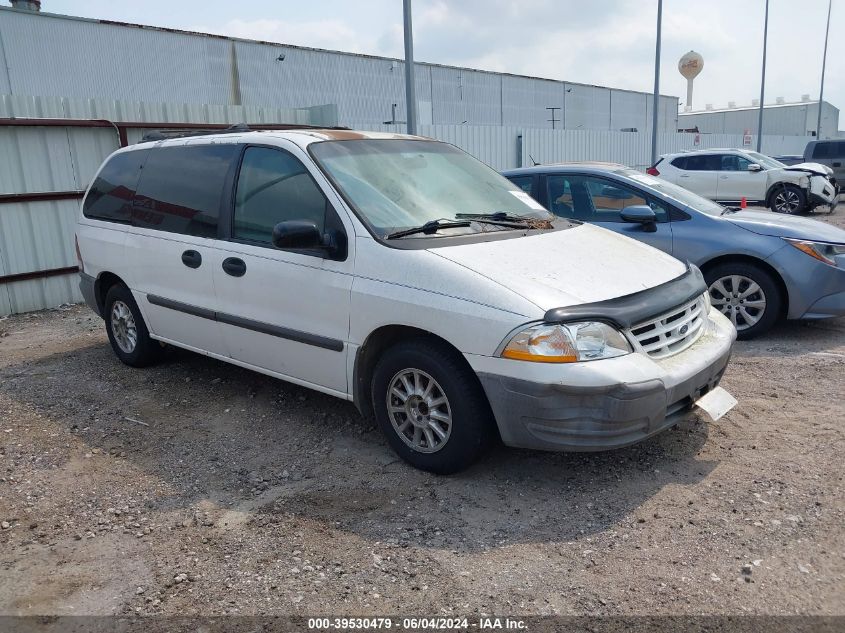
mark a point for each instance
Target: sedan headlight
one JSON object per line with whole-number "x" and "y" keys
{"x": 566, "y": 343}
{"x": 822, "y": 251}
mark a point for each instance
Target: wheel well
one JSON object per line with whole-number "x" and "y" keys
{"x": 747, "y": 259}
{"x": 371, "y": 350}
{"x": 101, "y": 288}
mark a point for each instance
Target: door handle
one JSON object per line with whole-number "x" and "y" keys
{"x": 684, "y": 175}
{"x": 192, "y": 259}
{"x": 234, "y": 266}
{"x": 723, "y": 177}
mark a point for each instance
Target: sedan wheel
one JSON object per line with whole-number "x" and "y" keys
{"x": 740, "y": 299}
{"x": 419, "y": 410}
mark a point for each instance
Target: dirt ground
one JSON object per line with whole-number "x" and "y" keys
{"x": 195, "y": 487}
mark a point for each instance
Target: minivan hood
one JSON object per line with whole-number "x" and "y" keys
{"x": 813, "y": 168}
{"x": 778, "y": 225}
{"x": 558, "y": 269}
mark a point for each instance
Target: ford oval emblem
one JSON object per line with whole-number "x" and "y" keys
{"x": 683, "y": 329}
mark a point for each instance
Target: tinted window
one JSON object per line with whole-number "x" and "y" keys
{"x": 110, "y": 196}
{"x": 680, "y": 162}
{"x": 181, "y": 189}
{"x": 523, "y": 182}
{"x": 706, "y": 162}
{"x": 829, "y": 150}
{"x": 273, "y": 186}
{"x": 732, "y": 162}
{"x": 609, "y": 198}
{"x": 590, "y": 199}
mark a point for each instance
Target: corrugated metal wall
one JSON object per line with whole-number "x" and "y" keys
{"x": 78, "y": 58}
{"x": 794, "y": 119}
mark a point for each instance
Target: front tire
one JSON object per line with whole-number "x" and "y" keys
{"x": 747, "y": 295}
{"x": 430, "y": 406}
{"x": 788, "y": 199}
{"x": 128, "y": 334}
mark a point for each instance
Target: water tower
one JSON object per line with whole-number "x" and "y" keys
{"x": 689, "y": 66}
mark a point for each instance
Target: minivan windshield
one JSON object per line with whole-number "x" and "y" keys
{"x": 684, "y": 196}
{"x": 396, "y": 184}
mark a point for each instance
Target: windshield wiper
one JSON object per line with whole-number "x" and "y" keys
{"x": 429, "y": 228}
{"x": 730, "y": 210}
{"x": 500, "y": 216}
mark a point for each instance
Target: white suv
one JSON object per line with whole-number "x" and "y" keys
{"x": 728, "y": 175}
{"x": 404, "y": 275}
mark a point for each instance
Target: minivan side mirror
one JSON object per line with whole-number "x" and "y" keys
{"x": 304, "y": 235}
{"x": 641, "y": 214}
{"x": 754, "y": 167}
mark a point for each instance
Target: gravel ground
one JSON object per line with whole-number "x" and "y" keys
{"x": 195, "y": 487}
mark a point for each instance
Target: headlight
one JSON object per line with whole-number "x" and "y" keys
{"x": 566, "y": 343}
{"x": 823, "y": 251}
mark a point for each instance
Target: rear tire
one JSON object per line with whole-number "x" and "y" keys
{"x": 128, "y": 334}
{"x": 431, "y": 407}
{"x": 788, "y": 199}
{"x": 747, "y": 294}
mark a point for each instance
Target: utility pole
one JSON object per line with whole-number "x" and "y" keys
{"x": 410, "y": 86}
{"x": 553, "y": 120}
{"x": 824, "y": 63}
{"x": 763, "y": 82}
{"x": 656, "y": 107}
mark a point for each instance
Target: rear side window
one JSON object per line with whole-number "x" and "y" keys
{"x": 706, "y": 162}
{"x": 829, "y": 150}
{"x": 110, "y": 196}
{"x": 273, "y": 187}
{"x": 680, "y": 162}
{"x": 181, "y": 189}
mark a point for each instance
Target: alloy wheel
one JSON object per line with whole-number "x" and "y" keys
{"x": 419, "y": 410}
{"x": 739, "y": 298}
{"x": 787, "y": 201}
{"x": 123, "y": 327}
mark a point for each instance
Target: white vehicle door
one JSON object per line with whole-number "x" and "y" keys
{"x": 285, "y": 311}
{"x": 736, "y": 181}
{"x": 170, "y": 245}
{"x": 698, "y": 173}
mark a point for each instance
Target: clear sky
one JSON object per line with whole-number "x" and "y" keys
{"x": 606, "y": 42}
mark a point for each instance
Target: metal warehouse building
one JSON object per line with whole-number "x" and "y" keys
{"x": 791, "y": 119}
{"x": 44, "y": 54}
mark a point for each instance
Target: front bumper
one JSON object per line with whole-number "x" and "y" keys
{"x": 823, "y": 192}
{"x": 603, "y": 404}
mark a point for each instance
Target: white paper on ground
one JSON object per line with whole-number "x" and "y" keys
{"x": 716, "y": 403}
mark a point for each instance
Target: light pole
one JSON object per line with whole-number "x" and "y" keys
{"x": 656, "y": 107}
{"x": 762, "y": 82}
{"x": 410, "y": 86}
{"x": 824, "y": 63}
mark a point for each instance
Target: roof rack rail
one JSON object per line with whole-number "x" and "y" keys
{"x": 200, "y": 129}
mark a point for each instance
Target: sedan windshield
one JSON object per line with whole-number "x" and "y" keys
{"x": 397, "y": 184}
{"x": 679, "y": 194}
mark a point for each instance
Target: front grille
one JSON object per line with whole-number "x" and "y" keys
{"x": 672, "y": 332}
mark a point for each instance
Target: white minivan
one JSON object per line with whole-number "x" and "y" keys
{"x": 404, "y": 275}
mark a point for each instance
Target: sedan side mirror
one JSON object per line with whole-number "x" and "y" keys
{"x": 641, "y": 214}
{"x": 755, "y": 167}
{"x": 304, "y": 235}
